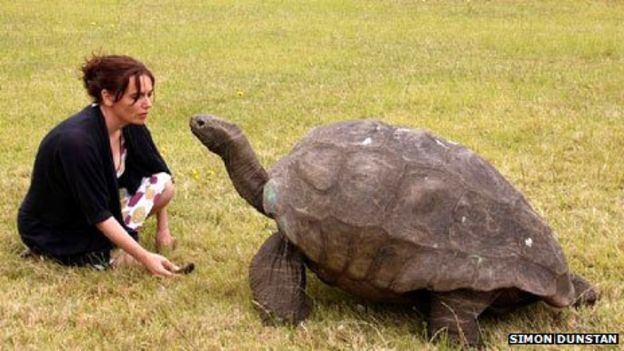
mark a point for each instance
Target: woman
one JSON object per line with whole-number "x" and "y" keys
{"x": 98, "y": 176}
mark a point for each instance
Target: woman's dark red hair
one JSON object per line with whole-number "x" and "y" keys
{"x": 113, "y": 73}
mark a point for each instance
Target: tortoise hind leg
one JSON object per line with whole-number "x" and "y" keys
{"x": 456, "y": 312}
{"x": 277, "y": 277}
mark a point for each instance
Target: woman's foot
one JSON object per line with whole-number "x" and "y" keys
{"x": 120, "y": 258}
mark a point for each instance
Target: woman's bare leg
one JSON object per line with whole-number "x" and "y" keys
{"x": 164, "y": 239}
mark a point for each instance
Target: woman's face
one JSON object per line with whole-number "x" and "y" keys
{"x": 134, "y": 105}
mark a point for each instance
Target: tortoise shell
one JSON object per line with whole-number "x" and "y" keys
{"x": 382, "y": 211}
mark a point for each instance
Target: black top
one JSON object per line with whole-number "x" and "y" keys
{"x": 74, "y": 184}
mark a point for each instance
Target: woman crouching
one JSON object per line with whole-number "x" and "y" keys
{"x": 98, "y": 175}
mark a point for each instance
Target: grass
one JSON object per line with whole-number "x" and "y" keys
{"x": 533, "y": 86}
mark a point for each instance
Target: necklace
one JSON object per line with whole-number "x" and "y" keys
{"x": 119, "y": 167}
{"x": 120, "y": 155}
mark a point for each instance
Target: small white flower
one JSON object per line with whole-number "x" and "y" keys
{"x": 528, "y": 242}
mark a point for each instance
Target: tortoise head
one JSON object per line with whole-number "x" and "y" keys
{"x": 213, "y": 132}
{"x": 227, "y": 140}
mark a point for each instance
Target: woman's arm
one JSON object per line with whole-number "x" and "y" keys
{"x": 156, "y": 264}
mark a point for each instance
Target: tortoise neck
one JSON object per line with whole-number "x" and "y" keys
{"x": 246, "y": 172}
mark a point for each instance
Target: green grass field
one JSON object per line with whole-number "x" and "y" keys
{"x": 535, "y": 87}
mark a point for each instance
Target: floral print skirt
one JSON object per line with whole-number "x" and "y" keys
{"x": 136, "y": 207}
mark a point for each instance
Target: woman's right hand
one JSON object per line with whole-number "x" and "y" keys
{"x": 156, "y": 264}
{"x": 159, "y": 265}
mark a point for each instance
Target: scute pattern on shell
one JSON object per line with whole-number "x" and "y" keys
{"x": 389, "y": 210}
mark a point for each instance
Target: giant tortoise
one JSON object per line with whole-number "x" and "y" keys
{"x": 395, "y": 215}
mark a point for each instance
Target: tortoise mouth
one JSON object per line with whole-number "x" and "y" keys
{"x": 203, "y": 127}
{"x": 197, "y": 123}
{"x": 215, "y": 133}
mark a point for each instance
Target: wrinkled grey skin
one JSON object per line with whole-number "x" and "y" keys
{"x": 391, "y": 214}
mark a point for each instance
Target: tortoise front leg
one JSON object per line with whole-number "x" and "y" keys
{"x": 277, "y": 277}
{"x": 456, "y": 312}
